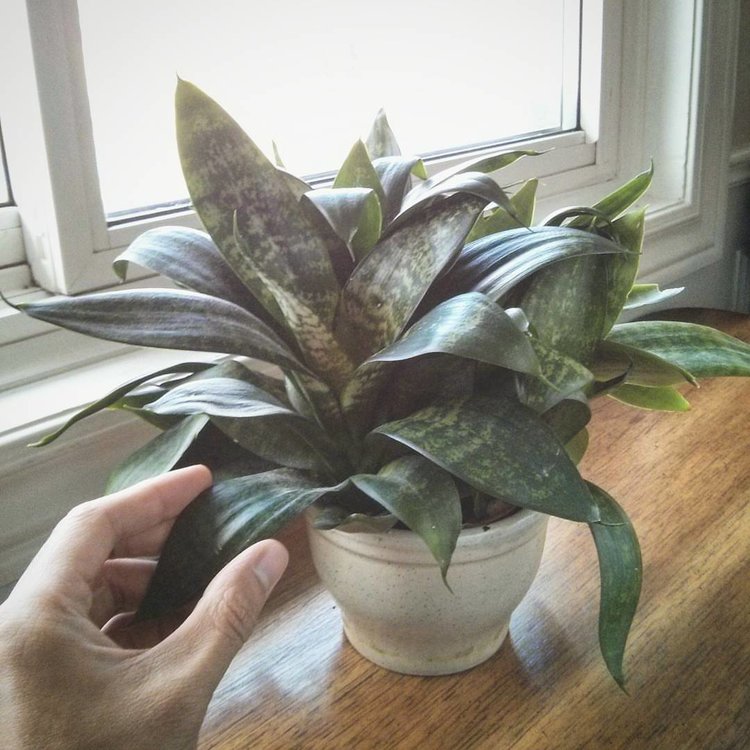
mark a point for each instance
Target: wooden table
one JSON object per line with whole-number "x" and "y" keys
{"x": 685, "y": 481}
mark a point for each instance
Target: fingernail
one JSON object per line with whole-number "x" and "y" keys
{"x": 271, "y": 564}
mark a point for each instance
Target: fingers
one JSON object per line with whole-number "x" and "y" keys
{"x": 225, "y": 615}
{"x": 123, "y": 584}
{"x": 136, "y": 519}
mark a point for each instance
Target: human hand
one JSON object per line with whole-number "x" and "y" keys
{"x": 76, "y": 673}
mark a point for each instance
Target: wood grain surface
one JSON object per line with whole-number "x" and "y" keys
{"x": 685, "y": 481}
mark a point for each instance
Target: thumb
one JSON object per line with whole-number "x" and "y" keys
{"x": 225, "y": 615}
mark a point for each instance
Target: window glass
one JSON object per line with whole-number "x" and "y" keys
{"x": 311, "y": 76}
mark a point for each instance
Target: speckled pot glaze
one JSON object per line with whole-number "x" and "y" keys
{"x": 397, "y": 611}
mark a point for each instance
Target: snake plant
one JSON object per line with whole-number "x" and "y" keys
{"x": 433, "y": 353}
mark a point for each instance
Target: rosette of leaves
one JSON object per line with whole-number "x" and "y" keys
{"x": 431, "y": 354}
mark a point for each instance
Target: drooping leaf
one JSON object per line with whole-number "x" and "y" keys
{"x": 499, "y": 220}
{"x": 476, "y": 184}
{"x": 190, "y": 258}
{"x": 481, "y": 164}
{"x": 576, "y": 447}
{"x": 471, "y": 326}
{"x": 158, "y": 455}
{"x": 496, "y": 264}
{"x": 389, "y": 283}
{"x": 257, "y": 222}
{"x": 658, "y": 398}
{"x": 620, "y": 571}
{"x": 649, "y": 294}
{"x": 218, "y": 525}
{"x": 642, "y": 367}
{"x": 395, "y": 174}
{"x": 381, "y": 141}
{"x": 173, "y": 319}
{"x": 218, "y": 397}
{"x": 702, "y": 351}
{"x": 499, "y": 447}
{"x": 423, "y": 497}
{"x": 338, "y": 517}
{"x": 353, "y": 213}
{"x": 568, "y": 418}
{"x": 117, "y": 394}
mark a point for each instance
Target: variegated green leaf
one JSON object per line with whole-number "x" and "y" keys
{"x": 567, "y": 305}
{"x": 158, "y": 455}
{"x": 353, "y": 213}
{"x": 218, "y": 525}
{"x": 622, "y": 269}
{"x": 190, "y": 258}
{"x": 649, "y": 294}
{"x": 423, "y": 497}
{"x": 641, "y": 367}
{"x": 286, "y": 440}
{"x": 624, "y": 197}
{"x": 116, "y": 395}
{"x": 471, "y": 326}
{"x": 658, "y": 398}
{"x": 254, "y": 217}
{"x": 702, "y": 351}
{"x": 499, "y": 220}
{"x": 389, "y": 283}
{"x": 620, "y": 571}
{"x": 499, "y": 447}
{"x": 568, "y": 418}
{"x": 381, "y": 141}
{"x": 564, "y": 377}
{"x": 173, "y": 319}
{"x": 218, "y": 397}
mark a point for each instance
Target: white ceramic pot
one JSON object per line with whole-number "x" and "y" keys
{"x": 398, "y": 613}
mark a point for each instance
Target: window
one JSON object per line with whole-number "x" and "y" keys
{"x": 310, "y": 77}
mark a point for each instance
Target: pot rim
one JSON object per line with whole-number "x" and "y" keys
{"x": 488, "y": 540}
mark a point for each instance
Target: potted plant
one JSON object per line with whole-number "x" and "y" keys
{"x": 434, "y": 356}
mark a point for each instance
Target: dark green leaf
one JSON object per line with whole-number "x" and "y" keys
{"x": 116, "y": 395}
{"x": 568, "y": 419}
{"x": 158, "y": 455}
{"x": 395, "y": 174}
{"x": 471, "y": 326}
{"x": 620, "y": 572}
{"x": 563, "y": 377}
{"x": 217, "y": 526}
{"x": 357, "y": 171}
{"x": 702, "y": 351}
{"x": 389, "y": 283}
{"x": 423, "y": 497}
{"x": 576, "y": 447}
{"x": 174, "y": 319}
{"x": 658, "y": 398}
{"x": 287, "y": 440}
{"x": 495, "y": 264}
{"x": 191, "y": 259}
{"x": 499, "y": 447}
{"x": 625, "y": 196}
{"x": 353, "y": 213}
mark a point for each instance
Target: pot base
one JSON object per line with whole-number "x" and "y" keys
{"x": 413, "y": 658}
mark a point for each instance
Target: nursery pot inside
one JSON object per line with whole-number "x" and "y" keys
{"x": 398, "y": 613}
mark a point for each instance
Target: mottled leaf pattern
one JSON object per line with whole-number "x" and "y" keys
{"x": 499, "y": 447}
